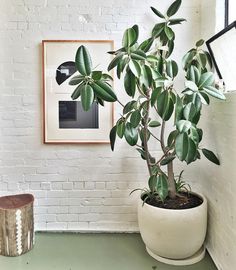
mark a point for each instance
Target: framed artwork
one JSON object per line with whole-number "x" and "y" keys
{"x": 64, "y": 120}
{"x": 222, "y": 49}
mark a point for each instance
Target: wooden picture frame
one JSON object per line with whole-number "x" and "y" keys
{"x": 64, "y": 121}
{"x": 222, "y": 50}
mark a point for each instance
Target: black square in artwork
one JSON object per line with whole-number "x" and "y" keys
{"x": 72, "y": 115}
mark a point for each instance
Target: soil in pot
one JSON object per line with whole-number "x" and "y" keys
{"x": 182, "y": 201}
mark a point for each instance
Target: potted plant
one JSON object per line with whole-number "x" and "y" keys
{"x": 172, "y": 220}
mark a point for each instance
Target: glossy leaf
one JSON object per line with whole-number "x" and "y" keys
{"x": 191, "y": 85}
{"x": 210, "y": 156}
{"x": 104, "y": 91}
{"x": 77, "y": 91}
{"x": 171, "y": 68}
{"x": 158, "y": 13}
{"x": 120, "y": 128}
{"x": 174, "y": 7}
{"x": 146, "y": 45}
{"x": 171, "y": 138}
{"x": 96, "y": 75}
{"x": 146, "y": 76}
{"x": 138, "y": 55}
{"x": 152, "y": 183}
{"x": 83, "y": 61}
{"x": 154, "y": 124}
{"x": 183, "y": 125}
{"x": 167, "y": 160}
{"x": 207, "y": 79}
{"x": 135, "y": 118}
{"x": 192, "y": 151}
{"x": 194, "y": 74}
{"x": 181, "y": 146}
{"x": 135, "y": 68}
{"x": 129, "y": 38}
{"x": 178, "y": 109}
{"x": 162, "y": 186}
{"x": 176, "y": 21}
{"x": 200, "y": 42}
{"x": 76, "y": 80}
{"x": 112, "y": 137}
{"x": 131, "y": 134}
{"x": 154, "y": 95}
{"x": 87, "y": 97}
{"x": 157, "y": 29}
{"x": 129, "y": 83}
{"x": 189, "y": 111}
{"x": 169, "y": 33}
{"x": 212, "y": 91}
{"x": 115, "y": 61}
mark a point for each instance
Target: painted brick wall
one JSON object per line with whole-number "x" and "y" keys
{"x": 76, "y": 187}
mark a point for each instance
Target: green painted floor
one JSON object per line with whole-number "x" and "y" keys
{"x": 65, "y": 251}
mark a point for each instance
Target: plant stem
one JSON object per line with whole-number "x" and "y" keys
{"x": 145, "y": 143}
{"x": 171, "y": 180}
{"x": 162, "y": 136}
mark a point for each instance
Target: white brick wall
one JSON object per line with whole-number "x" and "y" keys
{"x": 77, "y": 187}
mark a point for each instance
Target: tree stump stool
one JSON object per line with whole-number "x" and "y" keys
{"x": 16, "y": 224}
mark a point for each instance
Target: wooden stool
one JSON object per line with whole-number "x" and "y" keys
{"x": 16, "y": 224}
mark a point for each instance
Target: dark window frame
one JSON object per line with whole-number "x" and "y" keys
{"x": 226, "y": 13}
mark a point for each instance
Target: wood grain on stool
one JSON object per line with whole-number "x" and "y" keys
{"x": 16, "y": 224}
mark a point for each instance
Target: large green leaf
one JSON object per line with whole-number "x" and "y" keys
{"x": 87, "y": 97}
{"x": 192, "y": 151}
{"x": 162, "y": 103}
{"x": 183, "y": 125}
{"x": 135, "y": 67}
{"x": 181, "y": 146}
{"x": 174, "y": 7}
{"x": 158, "y": 13}
{"x": 210, "y": 156}
{"x": 77, "y": 91}
{"x": 113, "y": 137}
{"x": 169, "y": 32}
{"x": 115, "y": 61}
{"x": 157, "y": 30}
{"x": 171, "y": 68}
{"x": 146, "y": 45}
{"x": 129, "y": 38}
{"x": 171, "y": 138}
{"x": 129, "y": 83}
{"x": 76, "y": 80}
{"x": 152, "y": 183}
{"x": 176, "y": 21}
{"x": 120, "y": 128}
{"x": 135, "y": 118}
{"x": 189, "y": 111}
{"x": 97, "y": 75}
{"x": 138, "y": 55}
{"x": 131, "y": 134}
{"x": 146, "y": 76}
{"x": 167, "y": 160}
{"x": 191, "y": 85}
{"x": 104, "y": 91}
{"x": 178, "y": 109}
{"x": 194, "y": 74}
{"x": 207, "y": 79}
{"x": 162, "y": 186}
{"x": 212, "y": 91}
{"x": 83, "y": 61}
{"x": 154, "y": 95}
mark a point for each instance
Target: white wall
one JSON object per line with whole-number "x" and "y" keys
{"x": 77, "y": 187}
{"x": 218, "y": 182}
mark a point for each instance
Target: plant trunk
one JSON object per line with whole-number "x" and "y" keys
{"x": 171, "y": 180}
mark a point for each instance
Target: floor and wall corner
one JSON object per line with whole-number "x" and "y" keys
{"x": 86, "y": 187}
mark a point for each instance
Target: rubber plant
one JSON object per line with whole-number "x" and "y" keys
{"x": 149, "y": 76}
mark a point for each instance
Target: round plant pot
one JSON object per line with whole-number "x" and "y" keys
{"x": 174, "y": 236}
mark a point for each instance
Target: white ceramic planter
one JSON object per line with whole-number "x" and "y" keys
{"x": 174, "y": 236}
